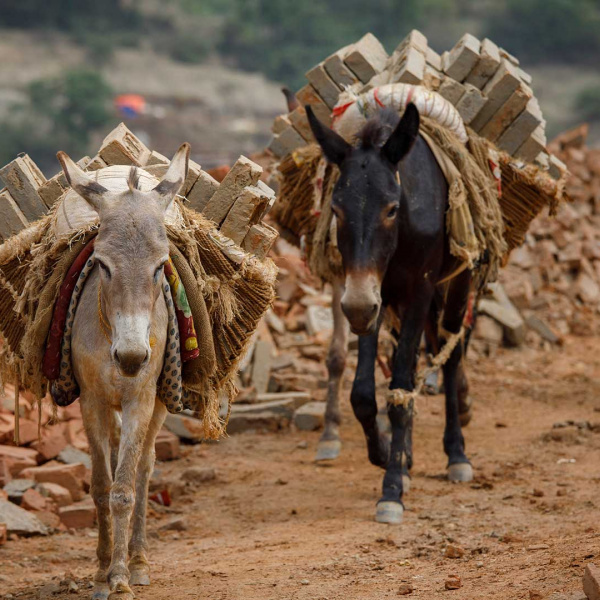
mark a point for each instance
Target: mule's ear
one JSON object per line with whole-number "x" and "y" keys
{"x": 90, "y": 190}
{"x": 176, "y": 174}
{"x": 334, "y": 146}
{"x": 290, "y": 98}
{"x": 404, "y": 136}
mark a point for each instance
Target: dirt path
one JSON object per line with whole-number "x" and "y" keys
{"x": 275, "y": 526}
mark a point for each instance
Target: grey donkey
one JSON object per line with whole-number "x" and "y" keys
{"x": 118, "y": 365}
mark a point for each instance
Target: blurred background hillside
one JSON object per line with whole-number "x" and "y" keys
{"x": 209, "y": 71}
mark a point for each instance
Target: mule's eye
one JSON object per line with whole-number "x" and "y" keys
{"x": 392, "y": 212}
{"x": 157, "y": 273}
{"x": 104, "y": 269}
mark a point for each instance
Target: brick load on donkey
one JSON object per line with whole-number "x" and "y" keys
{"x": 217, "y": 293}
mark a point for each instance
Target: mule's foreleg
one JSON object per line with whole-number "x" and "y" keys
{"x": 330, "y": 445}
{"x": 459, "y": 468}
{"x": 363, "y": 399}
{"x": 138, "y": 547}
{"x": 137, "y": 413}
{"x": 390, "y": 508}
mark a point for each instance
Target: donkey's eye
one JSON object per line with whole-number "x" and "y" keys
{"x": 104, "y": 269}
{"x": 158, "y": 273}
{"x": 392, "y": 212}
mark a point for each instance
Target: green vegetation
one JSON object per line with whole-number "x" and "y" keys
{"x": 58, "y": 114}
{"x": 282, "y": 39}
{"x": 588, "y": 103}
{"x": 548, "y": 30}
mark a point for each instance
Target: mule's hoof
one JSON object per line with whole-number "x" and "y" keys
{"x": 139, "y": 577}
{"x": 328, "y": 450}
{"x": 460, "y": 472}
{"x": 389, "y": 512}
{"x": 405, "y": 484}
{"x": 431, "y": 386}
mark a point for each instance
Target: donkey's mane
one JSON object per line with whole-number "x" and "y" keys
{"x": 378, "y": 129}
{"x": 133, "y": 179}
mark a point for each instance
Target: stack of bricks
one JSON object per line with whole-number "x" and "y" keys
{"x": 485, "y": 83}
{"x": 237, "y": 205}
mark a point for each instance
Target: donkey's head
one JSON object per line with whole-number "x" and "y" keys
{"x": 366, "y": 201}
{"x": 131, "y": 249}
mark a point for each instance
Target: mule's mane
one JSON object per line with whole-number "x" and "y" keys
{"x": 378, "y": 129}
{"x": 134, "y": 179}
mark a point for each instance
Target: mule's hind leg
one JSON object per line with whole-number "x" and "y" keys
{"x": 465, "y": 402}
{"x": 330, "y": 444}
{"x": 138, "y": 547}
{"x": 137, "y": 412}
{"x": 98, "y": 423}
{"x": 459, "y": 467}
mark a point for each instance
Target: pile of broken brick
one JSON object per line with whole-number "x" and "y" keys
{"x": 553, "y": 279}
{"x": 44, "y": 483}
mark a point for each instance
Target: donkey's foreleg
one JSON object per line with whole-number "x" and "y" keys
{"x": 330, "y": 445}
{"x": 138, "y": 547}
{"x": 390, "y": 508}
{"x": 98, "y": 422}
{"x": 459, "y": 468}
{"x": 364, "y": 401}
{"x": 137, "y": 413}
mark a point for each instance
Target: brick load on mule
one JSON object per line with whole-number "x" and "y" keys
{"x": 410, "y": 216}
{"x": 219, "y": 272}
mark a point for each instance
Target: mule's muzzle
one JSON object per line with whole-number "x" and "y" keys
{"x": 131, "y": 362}
{"x": 361, "y": 302}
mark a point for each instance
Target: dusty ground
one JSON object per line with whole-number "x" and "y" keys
{"x": 275, "y": 526}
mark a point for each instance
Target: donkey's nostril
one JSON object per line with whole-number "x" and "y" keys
{"x": 130, "y": 362}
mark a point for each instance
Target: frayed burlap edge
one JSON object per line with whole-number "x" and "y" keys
{"x": 237, "y": 292}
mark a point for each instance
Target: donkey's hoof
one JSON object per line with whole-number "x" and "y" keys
{"x": 100, "y": 591}
{"x": 460, "y": 472}
{"x": 389, "y": 512}
{"x": 328, "y": 450}
{"x": 139, "y": 577}
{"x": 122, "y": 592}
{"x": 405, "y": 484}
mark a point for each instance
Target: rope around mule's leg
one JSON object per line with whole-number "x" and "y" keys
{"x": 400, "y": 397}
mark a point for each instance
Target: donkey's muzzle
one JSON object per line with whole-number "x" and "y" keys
{"x": 361, "y": 302}
{"x": 131, "y": 362}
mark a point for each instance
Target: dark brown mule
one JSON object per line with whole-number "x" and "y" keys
{"x": 390, "y": 203}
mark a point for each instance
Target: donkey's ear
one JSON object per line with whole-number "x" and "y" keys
{"x": 90, "y": 190}
{"x": 176, "y": 174}
{"x": 334, "y": 146}
{"x": 404, "y": 136}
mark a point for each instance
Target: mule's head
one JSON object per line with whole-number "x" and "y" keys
{"x": 131, "y": 249}
{"x": 366, "y": 202}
